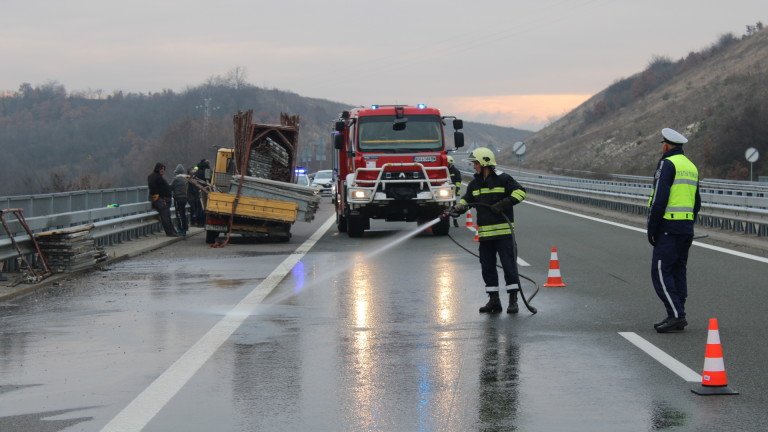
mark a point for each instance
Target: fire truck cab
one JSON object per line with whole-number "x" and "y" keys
{"x": 392, "y": 164}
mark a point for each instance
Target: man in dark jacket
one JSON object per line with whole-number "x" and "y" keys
{"x": 179, "y": 188}
{"x": 160, "y": 196}
{"x": 493, "y": 195}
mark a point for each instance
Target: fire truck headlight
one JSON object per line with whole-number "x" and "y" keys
{"x": 445, "y": 192}
{"x": 360, "y": 194}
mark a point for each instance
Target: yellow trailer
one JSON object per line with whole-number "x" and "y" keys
{"x": 252, "y": 216}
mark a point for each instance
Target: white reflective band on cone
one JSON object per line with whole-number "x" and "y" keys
{"x": 713, "y": 337}
{"x": 714, "y": 364}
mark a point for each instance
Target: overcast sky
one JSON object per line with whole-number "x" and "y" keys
{"x": 514, "y": 63}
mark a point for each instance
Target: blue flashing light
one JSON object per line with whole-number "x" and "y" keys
{"x": 421, "y": 106}
{"x": 300, "y": 170}
{"x": 374, "y": 107}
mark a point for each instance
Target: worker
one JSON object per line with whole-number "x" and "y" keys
{"x": 494, "y": 195}
{"x": 456, "y": 180}
{"x": 160, "y": 196}
{"x": 179, "y": 187}
{"x": 673, "y": 207}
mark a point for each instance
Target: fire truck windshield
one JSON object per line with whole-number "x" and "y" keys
{"x": 422, "y": 132}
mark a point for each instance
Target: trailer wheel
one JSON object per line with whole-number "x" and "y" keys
{"x": 210, "y": 236}
{"x": 441, "y": 228}
{"x": 356, "y": 225}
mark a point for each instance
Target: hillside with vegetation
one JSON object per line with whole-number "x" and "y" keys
{"x": 52, "y": 140}
{"x": 717, "y": 97}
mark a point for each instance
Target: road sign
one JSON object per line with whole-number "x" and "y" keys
{"x": 752, "y": 154}
{"x": 519, "y": 148}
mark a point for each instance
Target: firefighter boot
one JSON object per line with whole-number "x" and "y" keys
{"x": 494, "y": 304}
{"x": 455, "y": 223}
{"x": 512, "y": 308}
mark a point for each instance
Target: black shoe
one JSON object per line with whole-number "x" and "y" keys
{"x": 661, "y": 322}
{"x": 672, "y": 324}
{"x": 455, "y": 223}
{"x": 493, "y": 306}
{"x": 513, "y": 308}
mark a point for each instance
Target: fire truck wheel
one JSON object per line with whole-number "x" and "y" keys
{"x": 441, "y": 228}
{"x": 341, "y": 222}
{"x": 356, "y": 225}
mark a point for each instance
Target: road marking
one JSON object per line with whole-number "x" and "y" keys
{"x": 521, "y": 262}
{"x": 702, "y": 245}
{"x": 667, "y": 360}
{"x": 148, "y": 403}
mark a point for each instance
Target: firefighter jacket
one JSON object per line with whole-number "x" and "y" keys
{"x": 675, "y": 199}
{"x": 489, "y": 191}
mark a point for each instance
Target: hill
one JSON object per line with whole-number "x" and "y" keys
{"x": 55, "y": 141}
{"x": 717, "y": 97}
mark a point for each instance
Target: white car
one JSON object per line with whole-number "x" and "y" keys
{"x": 325, "y": 181}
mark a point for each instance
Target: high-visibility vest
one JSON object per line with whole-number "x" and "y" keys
{"x": 682, "y": 194}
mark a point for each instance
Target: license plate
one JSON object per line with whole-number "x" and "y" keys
{"x": 425, "y": 158}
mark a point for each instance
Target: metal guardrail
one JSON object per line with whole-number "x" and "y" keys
{"x": 67, "y": 202}
{"x": 725, "y": 205}
{"x": 111, "y": 225}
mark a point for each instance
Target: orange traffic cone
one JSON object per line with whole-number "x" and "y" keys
{"x": 553, "y": 277}
{"x": 477, "y": 234}
{"x": 469, "y": 225}
{"x": 713, "y": 379}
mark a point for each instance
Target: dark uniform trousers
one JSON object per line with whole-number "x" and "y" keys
{"x": 506, "y": 248}
{"x": 670, "y": 257}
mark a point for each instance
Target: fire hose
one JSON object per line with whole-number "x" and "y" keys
{"x": 526, "y": 301}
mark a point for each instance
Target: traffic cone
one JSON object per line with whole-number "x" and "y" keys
{"x": 553, "y": 277}
{"x": 477, "y": 234}
{"x": 713, "y": 380}
{"x": 469, "y": 224}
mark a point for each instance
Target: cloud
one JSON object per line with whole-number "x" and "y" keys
{"x": 521, "y": 111}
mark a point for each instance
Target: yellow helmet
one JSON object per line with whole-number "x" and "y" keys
{"x": 450, "y": 160}
{"x": 484, "y": 156}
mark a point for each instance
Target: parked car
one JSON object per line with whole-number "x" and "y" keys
{"x": 324, "y": 180}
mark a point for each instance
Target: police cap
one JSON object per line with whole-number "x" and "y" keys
{"x": 673, "y": 137}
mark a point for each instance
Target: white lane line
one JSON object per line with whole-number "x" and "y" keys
{"x": 521, "y": 262}
{"x": 667, "y": 360}
{"x": 703, "y": 245}
{"x": 148, "y": 403}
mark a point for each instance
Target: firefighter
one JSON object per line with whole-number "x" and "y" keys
{"x": 456, "y": 180}
{"x": 494, "y": 195}
{"x": 673, "y": 207}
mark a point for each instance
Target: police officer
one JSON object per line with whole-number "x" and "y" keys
{"x": 493, "y": 195}
{"x": 456, "y": 180}
{"x": 674, "y": 204}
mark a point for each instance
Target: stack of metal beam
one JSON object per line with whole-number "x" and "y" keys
{"x": 306, "y": 197}
{"x": 70, "y": 249}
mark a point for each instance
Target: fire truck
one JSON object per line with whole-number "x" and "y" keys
{"x": 392, "y": 164}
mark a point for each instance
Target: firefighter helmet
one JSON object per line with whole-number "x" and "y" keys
{"x": 483, "y": 156}
{"x": 450, "y": 160}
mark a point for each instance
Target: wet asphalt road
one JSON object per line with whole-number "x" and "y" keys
{"x": 364, "y": 337}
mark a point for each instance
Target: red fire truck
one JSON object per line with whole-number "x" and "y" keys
{"x": 391, "y": 164}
